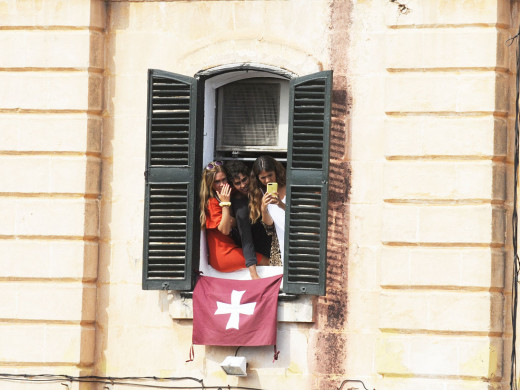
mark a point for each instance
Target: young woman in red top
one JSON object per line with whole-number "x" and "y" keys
{"x": 215, "y": 216}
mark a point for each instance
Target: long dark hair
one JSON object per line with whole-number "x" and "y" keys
{"x": 257, "y": 189}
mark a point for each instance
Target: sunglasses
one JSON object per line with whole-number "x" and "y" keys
{"x": 214, "y": 164}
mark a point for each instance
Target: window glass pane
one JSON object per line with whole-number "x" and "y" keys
{"x": 250, "y": 112}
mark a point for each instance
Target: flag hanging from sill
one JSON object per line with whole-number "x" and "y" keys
{"x": 235, "y": 312}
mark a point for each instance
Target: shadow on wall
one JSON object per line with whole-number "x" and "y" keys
{"x": 92, "y": 187}
{"x": 105, "y": 131}
{"x": 328, "y": 342}
{"x": 331, "y": 309}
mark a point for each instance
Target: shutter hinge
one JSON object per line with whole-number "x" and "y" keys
{"x": 165, "y": 286}
{"x": 146, "y": 176}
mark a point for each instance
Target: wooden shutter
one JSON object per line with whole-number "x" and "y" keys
{"x": 171, "y": 231}
{"x": 307, "y": 184}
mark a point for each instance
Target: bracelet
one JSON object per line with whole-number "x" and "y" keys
{"x": 222, "y": 204}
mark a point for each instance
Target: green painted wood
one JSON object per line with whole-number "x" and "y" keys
{"x": 171, "y": 233}
{"x": 305, "y": 257}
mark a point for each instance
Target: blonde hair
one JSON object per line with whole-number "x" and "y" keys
{"x": 255, "y": 202}
{"x": 206, "y": 190}
{"x": 257, "y": 189}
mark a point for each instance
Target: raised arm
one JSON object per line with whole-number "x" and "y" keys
{"x": 226, "y": 223}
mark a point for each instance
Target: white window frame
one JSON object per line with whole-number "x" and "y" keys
{"x": 210, "y": 106}
{"x": 210, "y": 112}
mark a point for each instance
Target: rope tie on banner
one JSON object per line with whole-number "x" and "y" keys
{"x": 276, "y": 353}
{"x": 191, "y": 355}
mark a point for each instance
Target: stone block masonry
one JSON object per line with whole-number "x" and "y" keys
{"x": 419, "y": 192}
{"x": 51, "y": 105}
{"x": 444, "y": 216}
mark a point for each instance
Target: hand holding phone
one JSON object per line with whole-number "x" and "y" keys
{"x": 272, "y": 187}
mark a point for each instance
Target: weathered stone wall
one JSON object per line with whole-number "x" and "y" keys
{"x": 512, "y": 48}
{"x": 328, "y": 338}
{"x": 427, "y": 234}
{"x": 51, "y": 77}
{"x": 137, "y": 333}
{"x": 419, "y": 204}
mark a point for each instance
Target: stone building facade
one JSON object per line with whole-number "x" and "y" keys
{"x": 421, "y": 182}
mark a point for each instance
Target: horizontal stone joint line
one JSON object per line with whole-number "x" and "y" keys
{"x": 446, "y": 157}
{"x": 94, "y": 239}
{"x": 44, "y": 364}
{"x": 455, "y": 333}
{"x": 85, "y": 282}
{"x": 465, "y": 114}
{"x": 50, "y": 195}
{"x": 82, "y": 323}
{"x": 53, "y": 28}
{"x": 451, "y": 69}
{"x": 52, "y": 69}
{"x": 436, "y": 26}
{"x": 444, "y": 202}
{"x": 82, "y": 114}
{"x": 433, "y": 202}
{"x": 432, "y": 288}
{"x": 49, "y": 153}
{"x": 443, "y": 244}
{"x": 49, "y": 111}
{"x": 495, "y": 379}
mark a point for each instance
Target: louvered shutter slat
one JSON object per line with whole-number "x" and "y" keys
{"x": 170, "y": 108}
{"x": 307, "y": 190}
{"x": 164, "y": 262}
{"x": 170, "y": 234}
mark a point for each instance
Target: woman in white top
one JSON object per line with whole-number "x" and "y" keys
{"x": 269, "y": 206}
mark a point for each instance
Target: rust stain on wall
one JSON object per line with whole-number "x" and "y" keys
{"x": 328, "y": 343}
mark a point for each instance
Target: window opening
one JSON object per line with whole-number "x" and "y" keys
{"x": 246, "y": 115}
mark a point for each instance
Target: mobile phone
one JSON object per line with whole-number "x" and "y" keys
{"x": 272, "y": 187}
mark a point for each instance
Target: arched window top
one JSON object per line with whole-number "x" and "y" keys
{"x": 272, "y": 71}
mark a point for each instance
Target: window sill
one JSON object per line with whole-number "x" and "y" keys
{"x": 300, "y": 309}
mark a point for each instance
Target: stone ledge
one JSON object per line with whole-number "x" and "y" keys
{"x": 299, "y": 310}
